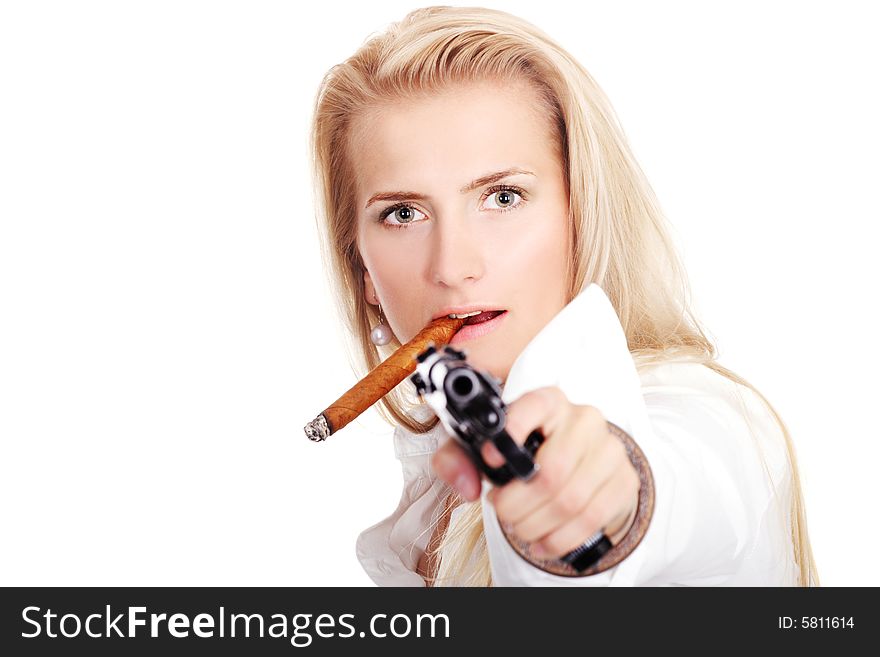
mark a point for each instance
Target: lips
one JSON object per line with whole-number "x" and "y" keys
{"x": 484, "y": 316}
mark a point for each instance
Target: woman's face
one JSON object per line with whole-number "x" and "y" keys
{"x": 497, "y": 245}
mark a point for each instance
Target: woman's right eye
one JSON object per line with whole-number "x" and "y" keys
{"x": 402, "y": 216}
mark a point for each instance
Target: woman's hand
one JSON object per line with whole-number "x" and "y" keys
{"x": 585, "y": 483}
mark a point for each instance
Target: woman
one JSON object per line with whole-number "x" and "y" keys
{"x": 467, "y": 163}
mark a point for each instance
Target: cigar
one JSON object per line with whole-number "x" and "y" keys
{"x": 381, "y": 380}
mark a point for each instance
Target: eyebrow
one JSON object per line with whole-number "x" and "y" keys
{"x": 471, "y": 186}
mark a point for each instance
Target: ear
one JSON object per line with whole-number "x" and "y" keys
{"x": 369, "y": 289}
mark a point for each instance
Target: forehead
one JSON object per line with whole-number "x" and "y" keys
{"x": 450, "y": 138}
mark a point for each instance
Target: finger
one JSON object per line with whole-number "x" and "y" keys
{"x": 521, "y": 419}
{"x": 590, "y": 475}
{"x": 561, "y": 454}
{"x": 545, "y": 408}
{"x": 608, "y": 507}
{"x": 454, "y": 466}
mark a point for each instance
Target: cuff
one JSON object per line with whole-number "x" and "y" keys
{"x": 628, "y": 543}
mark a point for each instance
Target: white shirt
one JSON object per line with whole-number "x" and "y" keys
{"x": 717, "y": 519}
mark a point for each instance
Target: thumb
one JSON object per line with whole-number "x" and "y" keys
{"x": 454, "y": 466}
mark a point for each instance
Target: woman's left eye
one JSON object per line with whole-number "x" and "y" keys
{"x": 504, "y": 195}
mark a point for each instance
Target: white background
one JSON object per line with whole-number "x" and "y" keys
{"x": 165, "y": 329}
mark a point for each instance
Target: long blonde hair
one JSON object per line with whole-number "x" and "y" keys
{"x": 619, "y": 233}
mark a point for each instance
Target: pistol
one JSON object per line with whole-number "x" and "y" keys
{"x": 468, "y": 403}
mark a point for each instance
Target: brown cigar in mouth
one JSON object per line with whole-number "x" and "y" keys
{"x": 381, "y": 380}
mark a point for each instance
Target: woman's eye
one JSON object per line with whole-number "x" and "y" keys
{"x": 399, "y": 216}
{"x": 504, "y": 199}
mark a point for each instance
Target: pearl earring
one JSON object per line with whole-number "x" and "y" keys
{"x": 381, "y": 333}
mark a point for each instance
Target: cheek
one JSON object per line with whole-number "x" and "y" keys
{"x": 392, "y": 272}
{"x": 536, "y": 255}
{"x": 542, "y": 271}
{"x": 387, "y": 264}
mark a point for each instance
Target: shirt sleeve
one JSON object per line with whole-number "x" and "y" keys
{"x": 718, "y": 511}
{"x": 719, "y": 514}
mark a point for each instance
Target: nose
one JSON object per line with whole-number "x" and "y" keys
{"x": 456, "y": 254}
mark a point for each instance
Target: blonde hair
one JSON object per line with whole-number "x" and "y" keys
{"x": 619, "y": 234}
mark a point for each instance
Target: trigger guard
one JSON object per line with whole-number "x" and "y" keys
{"x": 498, "y": 476}
{"x": 504, "y": 473}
